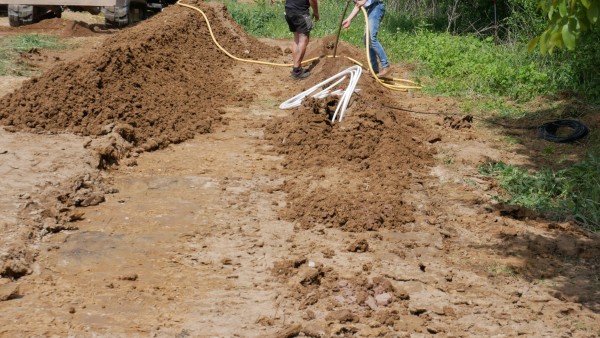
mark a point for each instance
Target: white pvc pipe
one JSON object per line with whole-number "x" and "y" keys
{"x": 354, "y": 71}
{"x": 347, "y": 94}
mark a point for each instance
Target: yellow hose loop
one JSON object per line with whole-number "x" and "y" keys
{"x": 393, "y": 85}
{"x": 231, "y": 55}
{"x": 384, "y": 82}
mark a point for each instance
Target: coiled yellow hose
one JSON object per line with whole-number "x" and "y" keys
{"x": 392, "y": 83}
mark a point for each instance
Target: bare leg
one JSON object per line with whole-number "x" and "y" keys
{"x": 299, "y": 48}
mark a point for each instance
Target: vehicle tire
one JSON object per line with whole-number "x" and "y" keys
{"x": 116, "y": 16}
{"x": 20, "y": 15}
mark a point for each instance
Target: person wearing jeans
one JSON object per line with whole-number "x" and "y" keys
{"x": 375, "y": 12}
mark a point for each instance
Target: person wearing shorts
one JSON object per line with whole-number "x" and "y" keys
{"x": 299, "y": 20}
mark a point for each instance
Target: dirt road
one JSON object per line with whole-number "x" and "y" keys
{"x": 217, "y": 214}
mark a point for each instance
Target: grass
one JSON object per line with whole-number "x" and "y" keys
{"x": 11, "y": 46}
{"x": 573, "y": 192}
{"x": 448, "y": 64}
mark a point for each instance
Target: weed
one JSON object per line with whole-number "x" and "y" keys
{"x": 448, "y": 160}
{"x": 548, "y": 150}
{"x": 470, "y": 182}
{"x": 512, "y": 140}
{"x": 540, "y": 282}
{"x": 498, "y": 269}
{"x": 268, "y": 103}
{"x": 10, "y": 47}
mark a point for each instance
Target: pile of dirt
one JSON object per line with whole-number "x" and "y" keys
{"x": 335, "y": 305}
{"x": 157, "y": 83}
{"x": 61, "y": 27}
{"x": 374, "y": 155}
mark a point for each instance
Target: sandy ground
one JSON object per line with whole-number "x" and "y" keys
{"x": 230, "y": 233}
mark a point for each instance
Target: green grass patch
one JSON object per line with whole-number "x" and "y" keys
{"x": 495, "y": 107}
{"x": 573, "y": 192}
{"x": 11, "y": 46}
{"x": 458, "y": 65}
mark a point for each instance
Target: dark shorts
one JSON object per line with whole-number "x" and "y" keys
{"x": 299, "y": 22}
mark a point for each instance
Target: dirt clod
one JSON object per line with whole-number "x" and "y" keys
{"x": 129, "y": 277}
{"x": 9, "y": 291}
{"x": 360, "y": 245}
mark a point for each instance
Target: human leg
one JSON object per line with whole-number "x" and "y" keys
{"x": 301, "y": 25}
{"x": 300, "y": 43}
{"x": 375, "y": 15}
{"x": 296, "y": 50}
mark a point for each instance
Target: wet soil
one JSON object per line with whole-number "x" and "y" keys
{"x": 154, "y": 188}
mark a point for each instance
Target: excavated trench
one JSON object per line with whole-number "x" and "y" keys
{"x": 379, "y": 246}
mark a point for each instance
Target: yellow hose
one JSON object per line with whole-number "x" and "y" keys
{"x": 393, "y": 86}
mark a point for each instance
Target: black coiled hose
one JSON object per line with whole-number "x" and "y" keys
{"x": 548, "y": 130}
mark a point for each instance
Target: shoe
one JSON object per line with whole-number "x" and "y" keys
{"x": 301, "y": 74}
{"x": 384, "y": 71}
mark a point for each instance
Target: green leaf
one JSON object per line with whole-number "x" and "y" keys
{"x": 555, "y": 40}
{"x": 586, "y": 3}
{"x": 582, "y": 22}
{"x": 568, "y": 37}
{"x": 593, "y": 12}
{"x": 531, "y": 45}
{"x": 544, "y": 42}
{"x": 562, "y": 8}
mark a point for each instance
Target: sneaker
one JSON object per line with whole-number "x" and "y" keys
{"x": 383, "y": 72}
{"x": 301, "y": 74}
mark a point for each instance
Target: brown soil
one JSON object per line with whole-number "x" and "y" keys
{"x": 248, "y": 220}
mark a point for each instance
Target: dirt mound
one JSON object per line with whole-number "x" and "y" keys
{"x": 64, "y": 27}
{"x": 157, "y": 83}
{"x": 56, "y": 26}
{"x": 374, "y": 155}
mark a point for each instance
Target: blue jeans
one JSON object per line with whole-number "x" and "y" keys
{"x": 375, "y": 14}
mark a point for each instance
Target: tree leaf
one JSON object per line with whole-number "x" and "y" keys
{"x": 531, "y": 45}
{"x": 593, "y": 12}
{"x": 586, "y": 3}
{"x": 582, "y": 21}
{"x": 562, "y": 8}
{"x": 544, "y": 42}
{"x": 568, "y": 37}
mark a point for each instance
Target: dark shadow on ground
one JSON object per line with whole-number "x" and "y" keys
{"x": 543, "y": 153}
{"x": 564, "y": 259}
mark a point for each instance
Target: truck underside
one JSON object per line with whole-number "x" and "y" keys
{"x": 117, "y": 13}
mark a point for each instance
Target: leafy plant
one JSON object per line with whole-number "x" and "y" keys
{"x": 566, "y": 21}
